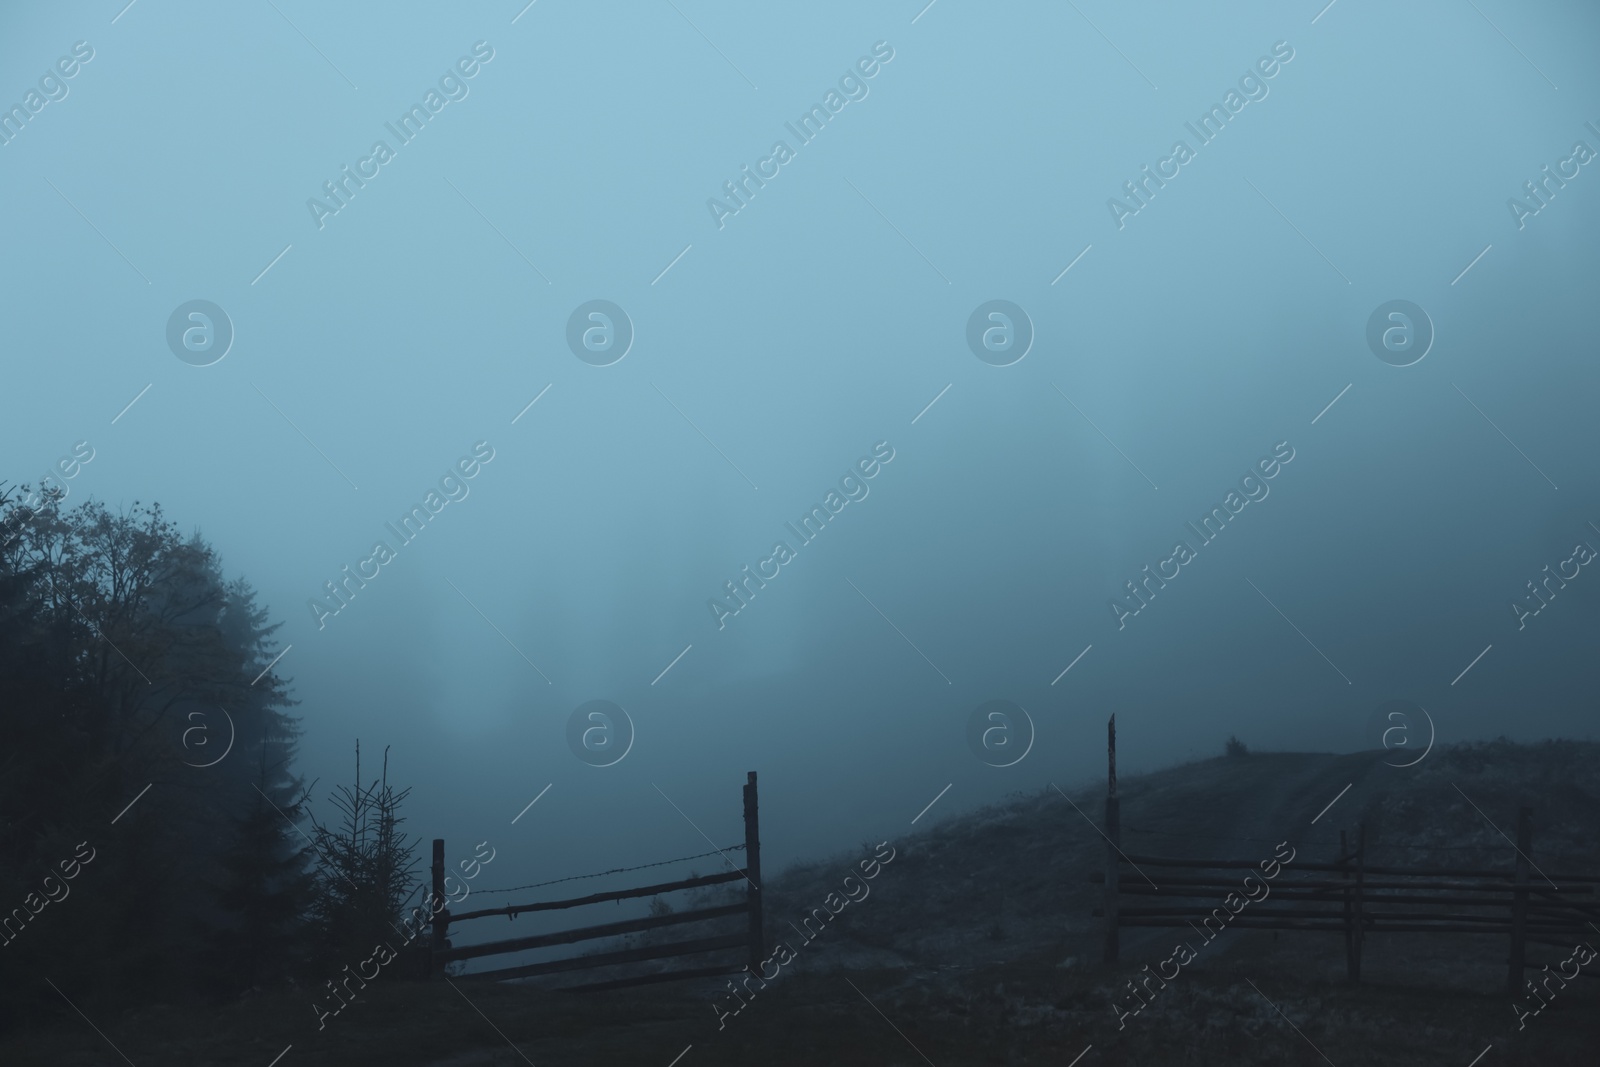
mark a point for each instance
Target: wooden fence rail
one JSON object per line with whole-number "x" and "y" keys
{"x": 1401, "y": 900}
{"x": 513, "y": 910}
{"x": 749, "y": 938}
{"x": 1347, "y": 895}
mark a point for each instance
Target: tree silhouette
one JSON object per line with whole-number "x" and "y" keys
{"x": 368, "y": 865}
{"x": 117, "y": 636}
{"x": 264, "y": 892}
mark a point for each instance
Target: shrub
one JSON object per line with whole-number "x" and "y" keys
{"x": 1236, "y": 747}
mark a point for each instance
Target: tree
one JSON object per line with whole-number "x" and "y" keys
{"x": 115, "y": 633}
{"x": 264, "y": 893}
{"x": 368, "y": 865}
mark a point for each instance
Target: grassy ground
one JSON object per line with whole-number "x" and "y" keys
{"x": 1030, "y": 1012}
{"x": 977, "y": 946}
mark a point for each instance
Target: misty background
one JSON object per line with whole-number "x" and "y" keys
{"x": 821, "y": 319}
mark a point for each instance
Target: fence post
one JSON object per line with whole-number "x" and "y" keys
{"x": 1352, "y": 968}
{"x": 1519, "y": 901}
{"x": 1113, "y": 842}
{"x": 1361, "y": 877}
{"x": 752, "y": 853}
{"x": 441, "y": 916}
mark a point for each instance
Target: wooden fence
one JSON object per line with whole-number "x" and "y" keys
{"x": 1347, "y": 896}
{"x": 749, "y": 938}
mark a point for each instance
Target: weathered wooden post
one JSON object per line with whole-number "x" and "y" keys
{"x": 1352, "y": 966}
{"x": 441, "y": 915}
{"x": 1361, "y": 877}
{"x": 752, "y": 852}
{"x": 1519, "y": 902}
{"x": 1113, "y": 841}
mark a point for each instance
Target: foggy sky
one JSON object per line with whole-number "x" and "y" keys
{"x": 1182, "y": 346}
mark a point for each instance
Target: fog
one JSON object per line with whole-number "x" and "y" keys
{"x": 393, "y": 334}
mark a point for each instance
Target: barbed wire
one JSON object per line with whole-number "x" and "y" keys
{"x": 614, "y": 870}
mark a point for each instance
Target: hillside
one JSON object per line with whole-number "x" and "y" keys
{"x": 976, "y": 945}
{"x": 990, "y": 886}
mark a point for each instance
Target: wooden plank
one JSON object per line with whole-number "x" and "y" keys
{"x": 1554, "y": 902}
{"x": 1332, "y": 927}
{"x": 1190, "y": 913}
{"x": 1348, "y": 915}
{"x": 1276, "y": 884}
{"x": 1373, "y": 920}
{"x": 1113, "y": 878}
{"x": 1329, "y": 927}
{"x": 585, "y": 933}
{"x": 606, "y": 959}
{"x": 441, "y": 911}
{"x": 1554, "y": 942}
{"x": 601, "y": 898}
{"x": 1306, "y": 865}
{"x": 651, "y": 979}
{"x": 1113, "y": 835}
{"x": 752, "y": 852}
{"x": 1519, "y": 907}
{"x": 1297, "y": 864}
{"x": 1386, "y": 897}
{"x": 1361, "y": 877}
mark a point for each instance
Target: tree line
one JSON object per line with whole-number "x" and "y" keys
{"x": 156, "y": 843}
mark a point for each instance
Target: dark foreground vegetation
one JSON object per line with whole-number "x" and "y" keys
{"x": 1027, "y": 1012}
{"x": 149, "y": 849}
